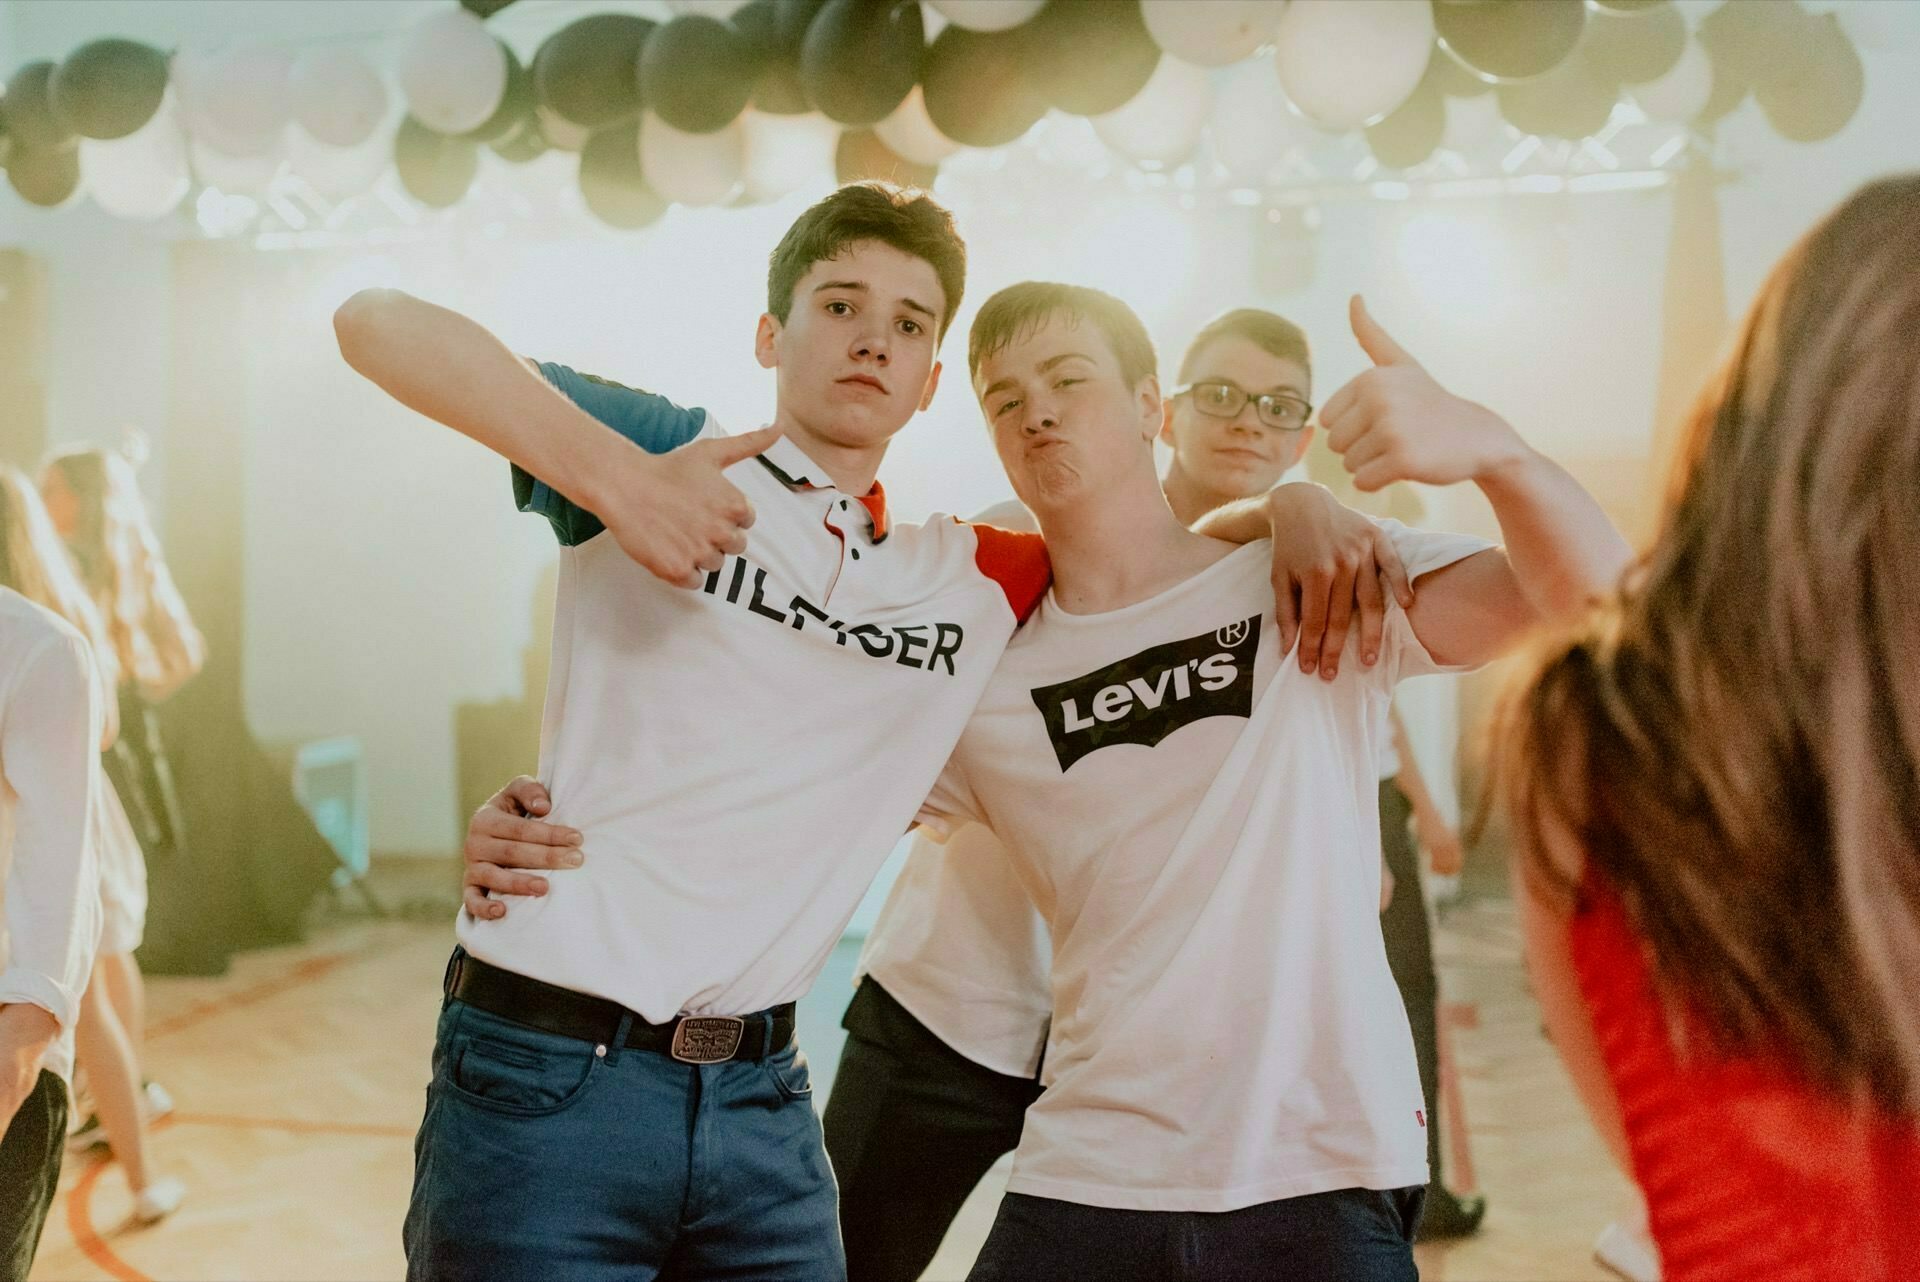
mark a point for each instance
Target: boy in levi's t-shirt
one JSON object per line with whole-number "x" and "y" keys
{"x": 1231, "y": 1089}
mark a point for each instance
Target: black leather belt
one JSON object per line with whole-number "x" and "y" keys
{"x": 691, "y": 1039}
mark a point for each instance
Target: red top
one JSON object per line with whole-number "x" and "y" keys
{"x": 1748, "y": 1171}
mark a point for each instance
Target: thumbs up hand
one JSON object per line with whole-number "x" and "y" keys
{"x": 676, "y": 514}
{"x": 1394, "y": 422}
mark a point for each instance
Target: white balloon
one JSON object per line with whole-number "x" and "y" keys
{"x": 1682, "y": 93}
{"x": 236, "y": 175}
{"x": 718, "y": 9}
{"x": 911, "y": 135}
{"x": 1472, "y": 122}
{"x": 1346, "y": 65}
{"x": 237, "y": 101}
{"x": 1253, "y": 125}
{"x": 987, "y": 15}
{"x": 691, "y": 169}
{"x": 1211, "y": 33}
{"x": 143, "y": 175}
{"x": 338, "y": 173}
{"x": 785, "y": 153}
{"x": 1162, "y": 122}
{"x": 337, "y": 95}
{"x": 452, "y": 71}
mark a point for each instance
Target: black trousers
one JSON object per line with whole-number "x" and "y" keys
{"x": 911, "y": 1127}
{"x": 29, "y": 1172}
{"x": 1350, "y": 1235}
{"x": 1410, "y": 954}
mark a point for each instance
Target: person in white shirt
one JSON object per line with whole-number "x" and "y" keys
{"x": 1231, "y": 1089}
{"x": 50, "y": 729}
{"x": 947, "y": 1024}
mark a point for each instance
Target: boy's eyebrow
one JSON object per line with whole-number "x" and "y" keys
{"x": 1001, "y": 384}
{"x": 861, "y": 287}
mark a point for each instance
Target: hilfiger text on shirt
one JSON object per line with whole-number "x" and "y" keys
{"x": 931, "y": 646}
{"x": 1146, "y": 697}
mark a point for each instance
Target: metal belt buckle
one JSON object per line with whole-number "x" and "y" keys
{"x": 707, "y": 1039}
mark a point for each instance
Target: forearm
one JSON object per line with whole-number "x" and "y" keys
{"x": 1564, "y": 550}
{"x": 452, "y": 370}
{"x": 1242, "y": 521}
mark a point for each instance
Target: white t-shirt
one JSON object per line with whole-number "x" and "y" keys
{"x": 1199, "y": 824}
{"x": 49, "y": 775}
{"x": 742, "y": 757}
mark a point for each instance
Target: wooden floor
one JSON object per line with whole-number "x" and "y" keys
{"x": 300, "y": 1077}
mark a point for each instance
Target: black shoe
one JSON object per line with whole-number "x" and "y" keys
{"x": 1448, "y": 1216}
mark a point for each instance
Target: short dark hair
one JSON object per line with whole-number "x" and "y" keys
{"x": 1275, "y": 335}
{"x": 1018, "y": 310}
{"x": 904, "y": 217}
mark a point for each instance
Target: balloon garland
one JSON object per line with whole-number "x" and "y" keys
{"x": 690, "y": 109}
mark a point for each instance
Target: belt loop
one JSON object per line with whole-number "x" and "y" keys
{"x": 619, "y": 1042}
{"x": 451, "y": 979}
{"x": 766, "y": 1034}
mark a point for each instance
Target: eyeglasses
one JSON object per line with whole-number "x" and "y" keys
{"x": 1278, "y": 410}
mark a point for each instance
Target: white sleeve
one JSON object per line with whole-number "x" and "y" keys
{"x": 49, "y": 739}
{"x": 951, "y": 805}
{"x": 1421, "y": 552}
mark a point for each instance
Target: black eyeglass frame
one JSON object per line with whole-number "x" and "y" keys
{"x": 1261, "y": 404}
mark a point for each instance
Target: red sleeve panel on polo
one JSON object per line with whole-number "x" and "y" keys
{"x": 1017, "y": 561}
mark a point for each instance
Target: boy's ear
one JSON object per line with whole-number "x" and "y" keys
{"x": 933, "y": 385}
{"x": 766, "y": 341}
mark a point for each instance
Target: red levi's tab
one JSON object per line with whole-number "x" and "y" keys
{"x": 1017, "y": 561}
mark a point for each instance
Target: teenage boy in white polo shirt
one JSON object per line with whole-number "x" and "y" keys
{"x": 615, "y": 1088}
{"x": 1231, "y": 1086}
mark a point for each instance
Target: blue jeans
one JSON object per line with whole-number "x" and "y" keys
{"x": 550, "y": 1159}
{"x": 1352, "y": 1235}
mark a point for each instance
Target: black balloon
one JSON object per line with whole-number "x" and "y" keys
{"x": 978, "y": 89}
{"x": 1454, "y": 80}
{"x": 774, "y": 29}
{"x": 484, "y": 8}
{"x": 436, "y": 169}
{"x": 1094, "y": 55}
{"x": 1511, "y": 39}
{"x": 861, "y": 57}
{"x": 1818, "y": 101}
{"x": 28, "y": 110}
{"x": 44, "y": 177}
{"x": 611, "y": 181}
{"x": 516, "y": 103}
{"x": 1635, "y": 50}
{"x": 1751, "y": 41}
{"x": 1409, "y": 133}
{"x": 861, "y": 155}
{"x": 523, "y": 142}
{"x": 109, "y": 88}
{"x": 588, "y": 72}
{"x": 699, "y": 73}
{"x": 1571, "y": 101}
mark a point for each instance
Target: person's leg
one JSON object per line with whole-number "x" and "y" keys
{"x": 911, "y": 1127}
{"x": 101, "y": 1047}
{"x": 760, "y": 1204}
{"x": 30, "y": 1155}
{"x": 1352, "y": 1235}
{"x": 127, "y": 989}
{"x": 545, "y": 1158}
{"x": 1041, "y": 1237}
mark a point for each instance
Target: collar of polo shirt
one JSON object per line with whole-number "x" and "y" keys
{"x": 790, "y": 463}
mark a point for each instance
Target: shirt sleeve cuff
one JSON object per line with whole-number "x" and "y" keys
{"x": 34, "y": 989}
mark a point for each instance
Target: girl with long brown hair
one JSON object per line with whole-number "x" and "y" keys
{"x": 1715, "y": 789}
{"x": 34, "y": 563}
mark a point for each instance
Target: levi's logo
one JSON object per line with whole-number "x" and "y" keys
{"x": 1145, "y": 698}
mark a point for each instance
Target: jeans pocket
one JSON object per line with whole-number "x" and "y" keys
{"x": 531, "y": 1076}
{"x": 790, "y": 1074}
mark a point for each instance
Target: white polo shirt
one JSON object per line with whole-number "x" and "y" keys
{"x": 742, "y": 757}
{"x": 1198, "y": 821}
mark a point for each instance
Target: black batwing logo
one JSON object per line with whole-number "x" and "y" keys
{"x": 1145, "y": 698}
